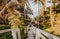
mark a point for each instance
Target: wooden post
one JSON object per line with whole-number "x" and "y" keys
{"x": 16, "y": 32}
{"x": 51, "y": 16}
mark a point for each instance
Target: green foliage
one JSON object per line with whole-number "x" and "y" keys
{"x": 57, "y": 8}
{"x": 6, "y": 35}
{"x": 22, "y": 32}
{"x": 46, "y": 25}
{"x": 41, "y": 26}
{"x": 2, "y": 27}
{"x": 45, "y": 20}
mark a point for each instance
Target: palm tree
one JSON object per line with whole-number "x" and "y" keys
{"x": 22, "y": 4}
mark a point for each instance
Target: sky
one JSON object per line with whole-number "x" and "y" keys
{"x": 34, "y": 7}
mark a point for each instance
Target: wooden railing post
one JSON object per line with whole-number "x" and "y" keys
{"x": 16, "y": 33}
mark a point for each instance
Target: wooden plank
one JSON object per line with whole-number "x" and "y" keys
{"x": 3, "y": 31}
{"x": 50, "y": 36}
